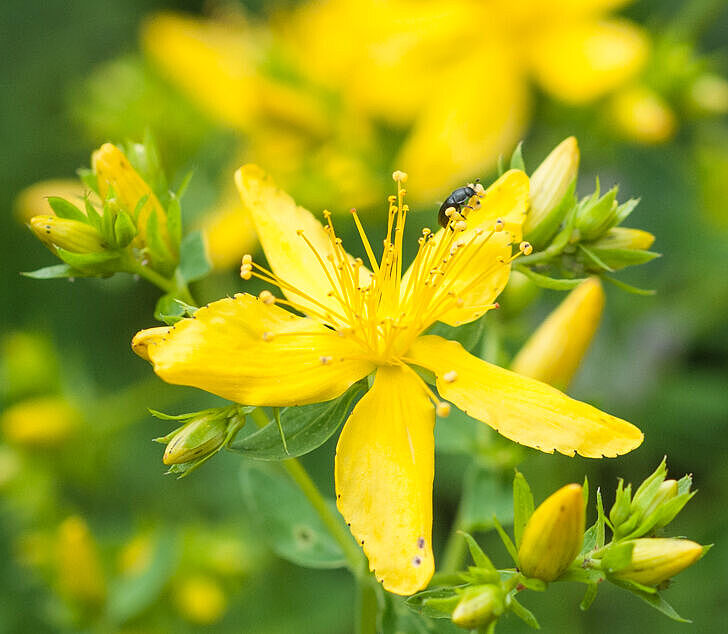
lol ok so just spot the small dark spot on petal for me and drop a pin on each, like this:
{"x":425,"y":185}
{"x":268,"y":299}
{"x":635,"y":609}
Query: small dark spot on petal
{"x":417,"y":561}
{"x":421,"y":542}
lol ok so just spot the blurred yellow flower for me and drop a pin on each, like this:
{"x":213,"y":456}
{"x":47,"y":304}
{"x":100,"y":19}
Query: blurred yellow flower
{"x":78,"y":567}
{"x":136,"y":555}
{"x":454,"y":75}
{"x":553,"y":353}
{"x":369,"y":321}
{"x":40,"y":422}
{"x":200,"y":599}
{"x":33,"y":200}
{"x":642,"y":115}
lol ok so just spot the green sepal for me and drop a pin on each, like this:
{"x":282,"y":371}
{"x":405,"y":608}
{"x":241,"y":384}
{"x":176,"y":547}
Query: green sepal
{"x":589,"y":596}
{"x":306,"y":428}
{"x":124,"y":229}
{"x":628,"y":287}
{"x":522,"y":612}
{"x":88,"y":178}
{"x":595,"y":536}
{"x":481,"y":560}
{"x":54,"y":272}
{"x":104,"y":263}
{"x":614,"y":259}
{"x":194,"y":262}
{"x":540,"y":236}
{"x":66,"y":209}
{"x":170,"y":310}
{"x":93,"y":215}
{"x":549,"y":282}
{"x":522,"y":506}
{"x":161,"y":258}
{"x":537,"y":585}
{"x":421,"y":602}
{"x":517,"y":158}
{"x":507,"y":542}
{"x":653,"y":599}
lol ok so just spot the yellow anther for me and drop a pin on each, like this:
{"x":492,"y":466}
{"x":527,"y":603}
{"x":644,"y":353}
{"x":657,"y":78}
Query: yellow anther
{"x":499,"y":225}
{"x":450,"y":377}
{"x":399,"y":176}
{"x":266,"y":297}
{"x":460,"y":225}
{"x":299,"y":232}
{"x":450,"y":211}
{"x":247,"y":259}
{"x":443,"y":409}
{"x":268,"y":336}
{"x":525,"y":248}
{"x":426,"y":231}
{"x":326,"y":360}
{"x":246,"y":271}
{"x":479,"y":189}
{"x":327,"y":214}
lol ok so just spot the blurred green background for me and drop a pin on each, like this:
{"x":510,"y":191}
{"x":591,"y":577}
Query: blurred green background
{"x":660,"y":362}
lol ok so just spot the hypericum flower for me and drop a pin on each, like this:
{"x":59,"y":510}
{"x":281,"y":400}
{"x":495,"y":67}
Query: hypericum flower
{"x":44,"y":421}
{"x":79,"y":570}
{"x":369,"y":321}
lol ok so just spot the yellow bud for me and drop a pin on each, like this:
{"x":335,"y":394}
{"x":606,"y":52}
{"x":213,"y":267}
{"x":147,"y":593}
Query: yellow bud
{"x":643,"y":116}
{"x":478,"y":607}
{"x":553,"y":535}
{"x":549,"y":184}
{"x":553,"y":353}
{"x":625,"y":238}
{"x":201,"y":600}
{"x":71,"y":235}
{"x":114,"y":171}
{"x":229,"y":231}
{"x":79,"y":572}
{"x":39,"y":422}
{"x":655,"y":560}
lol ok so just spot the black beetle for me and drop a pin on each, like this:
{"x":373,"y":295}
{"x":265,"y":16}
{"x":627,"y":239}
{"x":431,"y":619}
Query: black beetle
{"x":456,"y":200}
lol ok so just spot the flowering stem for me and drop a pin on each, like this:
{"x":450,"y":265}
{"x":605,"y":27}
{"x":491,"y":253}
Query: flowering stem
{"x":299,"y":475}
{"x":367,"y":606}
{"x":179,"y":290}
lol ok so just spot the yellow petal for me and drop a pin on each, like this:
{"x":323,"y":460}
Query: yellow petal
{"x":520,"y":408}
{"x":278,"y":221}
{"x":253,"y":353}
{"x":554,"y":351}
{"x":141,"y":341}
{"x":581,"y":61}
{"x":384,"y":472}
{"x":471,"y":118}
{"x":212,"y":62}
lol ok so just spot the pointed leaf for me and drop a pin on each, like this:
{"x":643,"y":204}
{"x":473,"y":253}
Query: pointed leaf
{"x":523,"y":613}
{"x":53,"y":272}
{"x":66,"y":209}
{"x":507,"y":542}
{"x":476,"y":552}
{"x":522,"y":505}
{"x":589,"y":596}
{"x":544,"y":281}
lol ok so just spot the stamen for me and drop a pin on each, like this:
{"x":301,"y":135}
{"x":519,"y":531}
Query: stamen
{"x":525,"y":248}
{"x":499,"y":225}
{"x":267,"y":298}
{"x":443,"y":409}
{"x":450,"y":377}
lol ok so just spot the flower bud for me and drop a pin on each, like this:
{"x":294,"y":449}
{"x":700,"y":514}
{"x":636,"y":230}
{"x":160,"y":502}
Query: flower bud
{"x":115,"y":173}
{"x":555,"y":350}
{"x":197,"y":439}
{"x":624,"y":238}
{"x":39,"y":422}
{"x":478,"y":607}
{"x":667,"y":491}
{"x":71,"y":235}
{"x":622,"y":504}
{"x":553,"y":535}
{"x":653,"y":560}
{"x":643,"y":116}
{"x":551,"y":192}
{"x":79,"y":570}
{"x":596,"y":214}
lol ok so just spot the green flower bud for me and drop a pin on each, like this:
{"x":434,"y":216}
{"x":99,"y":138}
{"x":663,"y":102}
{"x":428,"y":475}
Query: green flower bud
{"x":72,"y":235}
{"x":197,"y":439}
{"x":667,"y":491}
{"x":479,"y":607}
{"x":648,"y":490}
{"x":124,"y":229}
{"x":623,"y":500}
{"x":652,"y":561}
{"x":552,"y":192}
{"x":597,"y":214}
{"x":553,"y":535}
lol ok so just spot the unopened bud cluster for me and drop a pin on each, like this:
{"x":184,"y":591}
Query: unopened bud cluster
{"x":119,"y":223}
{"x":576,"y":237}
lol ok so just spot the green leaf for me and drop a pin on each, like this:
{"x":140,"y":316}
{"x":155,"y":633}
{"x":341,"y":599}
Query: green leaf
{"x":65,"y":209}
{"x":286,"y":518}
{"x":468,"y":335}
{"x":507,"y":542}
{"x":523,"y":613}
{"x":544,"y":281}
{"x":522,"y":505}
{"x":194,"y":263}
{"x":306,"y":428}
{"x":419,"y":602}
{"x":130,"y":596}
{"x":484,"y":496}
{"x":54,"y":272}
{"x":589,"y":596}
{"x":168,"y":309}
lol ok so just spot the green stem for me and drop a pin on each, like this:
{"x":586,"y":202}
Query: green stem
{"x":367,"y":606}
{"x":177,"y":288}
{"x":308,"y":487}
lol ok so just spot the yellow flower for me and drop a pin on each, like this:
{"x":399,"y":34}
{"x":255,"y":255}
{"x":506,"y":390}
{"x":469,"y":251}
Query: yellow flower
{"x":79,"y":571}
{"x":201,"y":600}
{"x":40,"y":422}
{"x":553,"y":353}
{"x":455,"y":76}
{"x":363,"y":321}
{"x":33,"y":200}
{"x":642,"y":115}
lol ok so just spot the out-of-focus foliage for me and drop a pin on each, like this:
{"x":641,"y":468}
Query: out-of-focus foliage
{"x":78,"y":472}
